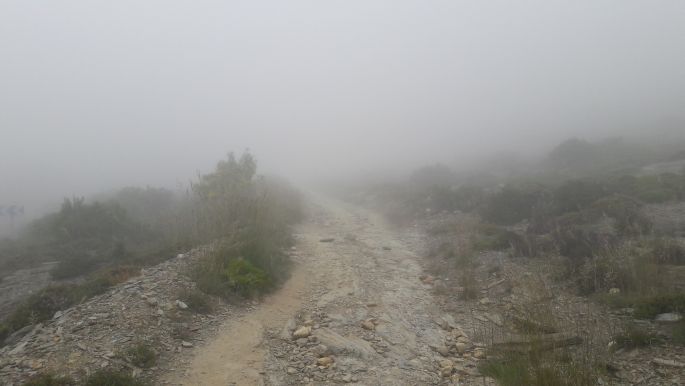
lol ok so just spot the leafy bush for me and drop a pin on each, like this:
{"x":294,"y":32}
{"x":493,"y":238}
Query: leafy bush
{"x":252,"y":218}
{"x":245,"y":277}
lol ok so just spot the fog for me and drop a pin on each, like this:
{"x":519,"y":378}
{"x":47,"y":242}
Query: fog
{"x":99,"y":94}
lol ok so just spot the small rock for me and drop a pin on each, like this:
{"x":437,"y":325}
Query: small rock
{"x":479,"y":353}
{"x":614,"y":291}
{"x":668,"y":363}
{"x":320,"y":350}
{"x":302,"y":332}
{"x":325,"y":361}
{"x":446,"y":371}
{"x":670,"y":317}
{"x":443,"y":350}
{"x":292,"y":370}
{"x":186,"y":344}
{"x":181,"y":305}
{"x":368,"y":325}
{"x":290,"y":326}
{"x":152,"y":301}
{"x":461,"y":347}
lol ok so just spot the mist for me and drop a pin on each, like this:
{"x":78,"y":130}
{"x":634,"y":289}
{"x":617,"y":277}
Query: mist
{"x":96,"y":95}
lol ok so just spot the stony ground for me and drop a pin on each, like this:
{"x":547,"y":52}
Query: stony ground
{"x":363,"y":306}
{"x":97,"y":333}
{"x":21,"y":283}
{"x":358,"y":310}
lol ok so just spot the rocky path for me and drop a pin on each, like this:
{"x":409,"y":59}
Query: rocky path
{"x":355,"y":311}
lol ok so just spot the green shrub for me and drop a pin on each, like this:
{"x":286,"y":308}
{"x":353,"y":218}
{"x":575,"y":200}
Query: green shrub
{"x":75,"y":266}
{"x":649,"y":307}
{"x":49,"y":380}
{"x":511,"y":205}
{"x":112,"y":378}
{"x":196,"y":301}
{"x":634,"y":337}
{"x":245,"y":277}
{"x":4,"y":332}
{"x":492,"y":238}
{"x":141,"y":355}
{"x":666,"y":251}
{"x":539,"y":369}
{"x":679,"y":332}
{"x":45,"y":303}
{"x":469,"y":284}
{"x":42,"y":306}
{"x":575,"y":195}
{"x":608,"y":270}
{"x":629,"y":218}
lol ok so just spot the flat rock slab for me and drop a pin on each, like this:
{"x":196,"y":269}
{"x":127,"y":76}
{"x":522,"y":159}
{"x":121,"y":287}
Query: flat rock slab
{"x":341,"y":345}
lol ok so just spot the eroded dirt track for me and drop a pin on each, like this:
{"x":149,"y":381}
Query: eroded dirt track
{"x":369,"y":272}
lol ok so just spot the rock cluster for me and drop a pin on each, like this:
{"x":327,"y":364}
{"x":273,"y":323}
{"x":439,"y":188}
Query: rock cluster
{"x":94,"y":334}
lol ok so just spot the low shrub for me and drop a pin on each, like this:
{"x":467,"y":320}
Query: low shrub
{"x":42,"y":305}
{"x":74,"y":266}
{"x":196,"y":301}
{"x":539,"y":369}
{"x":575,"y":195}
{"x":679,"y":332}
{"x":492,"y":238}
{"x":49,"y":380}
{"x":630,"y":220}
{"x":649,"y":307}
{"x":666,"y":251}
{"x":246,"y":278}
{"x":470,"y":287}
{"x":634,"y":337}
{"x":112,"y":378}
{"x":45,"y":303}
{"x":141,"y":355}
{"x":511,"y":205}
{"x":4,"y":332}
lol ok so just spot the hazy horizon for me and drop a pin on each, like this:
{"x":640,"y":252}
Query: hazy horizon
{"x":98,"y":95}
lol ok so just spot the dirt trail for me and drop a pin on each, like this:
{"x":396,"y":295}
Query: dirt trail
{"x":368,"y":272}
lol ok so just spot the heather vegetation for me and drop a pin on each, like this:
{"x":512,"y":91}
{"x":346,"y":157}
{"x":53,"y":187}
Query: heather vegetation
{"x":584,"y":211}
{"x":246,"y":219}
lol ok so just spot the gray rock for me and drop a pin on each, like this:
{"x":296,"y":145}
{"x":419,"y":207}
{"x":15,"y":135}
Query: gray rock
{"x":670,"y":317}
